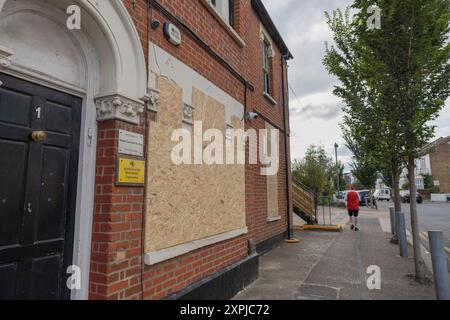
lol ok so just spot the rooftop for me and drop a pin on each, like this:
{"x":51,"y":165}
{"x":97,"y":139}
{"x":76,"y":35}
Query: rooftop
{"x":271,"y":28}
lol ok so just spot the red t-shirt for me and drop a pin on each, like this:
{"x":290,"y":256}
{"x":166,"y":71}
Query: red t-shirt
{"x":352,"y":201}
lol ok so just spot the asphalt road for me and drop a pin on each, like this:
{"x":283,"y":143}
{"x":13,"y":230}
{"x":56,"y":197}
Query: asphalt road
{"x":432,"y":216}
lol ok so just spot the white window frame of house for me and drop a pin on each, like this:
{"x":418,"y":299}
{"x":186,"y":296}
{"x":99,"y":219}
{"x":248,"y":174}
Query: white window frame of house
{"x":220,"y":9}
{"x":266,"y":67}
{"x":268,"y":53}
{"x":223,"y":8}
{"x":420,"y":183}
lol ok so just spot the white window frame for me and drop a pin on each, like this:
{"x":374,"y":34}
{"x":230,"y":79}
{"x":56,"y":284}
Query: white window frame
{"x":266,"y":67}
{"x":267,"y":41}
{"x":223,"y":8}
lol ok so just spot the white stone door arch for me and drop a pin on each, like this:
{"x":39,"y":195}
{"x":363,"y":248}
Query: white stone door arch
{"x":103,"y":63}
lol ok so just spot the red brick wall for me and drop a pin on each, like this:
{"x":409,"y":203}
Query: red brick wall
{"x":256,"y":190}
{"x":117,"y":266}
{"x":116,"y":257}
{"x":205,"y":25}
{"x":174,"y":275}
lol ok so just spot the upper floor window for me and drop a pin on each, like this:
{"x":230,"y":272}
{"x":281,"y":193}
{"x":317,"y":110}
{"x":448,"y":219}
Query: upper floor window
{"x":226,"y":9}
{"x":266,"y":66}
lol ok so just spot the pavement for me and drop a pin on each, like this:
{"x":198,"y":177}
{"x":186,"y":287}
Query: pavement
{"x":334,"y":266}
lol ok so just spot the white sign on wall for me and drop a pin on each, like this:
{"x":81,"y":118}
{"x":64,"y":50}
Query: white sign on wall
{"x":173,"y":34}
{"x":131,"y":143}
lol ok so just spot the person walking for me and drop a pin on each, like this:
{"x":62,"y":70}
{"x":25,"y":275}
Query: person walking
{"x":352,"y":200}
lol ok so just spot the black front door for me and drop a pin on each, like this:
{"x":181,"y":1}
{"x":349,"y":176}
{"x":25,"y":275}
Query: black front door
{"x":39,"y":145}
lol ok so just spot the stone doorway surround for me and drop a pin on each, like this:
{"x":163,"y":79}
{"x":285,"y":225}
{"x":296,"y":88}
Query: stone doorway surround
{"x":103,"y":63}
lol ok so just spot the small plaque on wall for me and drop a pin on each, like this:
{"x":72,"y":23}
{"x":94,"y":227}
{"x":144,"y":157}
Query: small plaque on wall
{"x":131,"y":143}
{"x":130,"y":172}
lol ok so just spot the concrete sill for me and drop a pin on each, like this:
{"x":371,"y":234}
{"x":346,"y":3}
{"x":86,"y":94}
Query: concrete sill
{"x":170,"y":253}
{"x":224,"y":24}
{"x":275,"y":219}
{"x":269,"y":97}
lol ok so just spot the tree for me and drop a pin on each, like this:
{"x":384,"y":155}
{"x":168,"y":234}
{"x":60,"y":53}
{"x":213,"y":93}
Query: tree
{"x":423,"y":85}
{"x":367,"y":117}
{"x":333,"y":173}
{"x":394,"y":81}
{"x":386,"y":176}
{"x":363,"y":168}
{"x":429,"y":184}
{"x":314,"y":170}
{"x":365,"y":172}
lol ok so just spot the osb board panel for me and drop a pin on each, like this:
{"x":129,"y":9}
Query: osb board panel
{"x":272,"y":182}
{"x":189,"y":202}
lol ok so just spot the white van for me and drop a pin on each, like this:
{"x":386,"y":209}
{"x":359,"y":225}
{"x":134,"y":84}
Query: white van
{"x":382,"y":195}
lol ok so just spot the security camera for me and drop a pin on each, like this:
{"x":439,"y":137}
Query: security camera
{"x":155,"y":24}
{"x":252,"y":116}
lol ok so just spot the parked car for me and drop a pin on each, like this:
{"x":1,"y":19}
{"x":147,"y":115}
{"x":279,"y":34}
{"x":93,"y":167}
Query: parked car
{"x":404,"y":194}
{"x":341,"y":198}
{"x":363,"y":195}
{"x":382,"y":195}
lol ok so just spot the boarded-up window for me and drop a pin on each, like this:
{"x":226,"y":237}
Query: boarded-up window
{"x":272,"y":182}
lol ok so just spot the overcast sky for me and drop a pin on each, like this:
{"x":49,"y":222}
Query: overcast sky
{"x":316,"y":114}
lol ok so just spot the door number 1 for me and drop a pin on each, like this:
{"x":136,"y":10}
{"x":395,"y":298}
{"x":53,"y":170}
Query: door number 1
{"x":38,"y":112}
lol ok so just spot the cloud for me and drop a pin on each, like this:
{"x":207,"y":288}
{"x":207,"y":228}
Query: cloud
{"x":304,"y":28}
{"x":324,"y":111}
{"x":344,"y":151}
{"x":315,"y":111}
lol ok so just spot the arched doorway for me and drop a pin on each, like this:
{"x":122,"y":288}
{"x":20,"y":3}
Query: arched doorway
{"x":94,"y":67}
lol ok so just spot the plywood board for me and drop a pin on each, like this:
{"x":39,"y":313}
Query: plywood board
{"x":189,"y":202}
{"x":272,"y":182}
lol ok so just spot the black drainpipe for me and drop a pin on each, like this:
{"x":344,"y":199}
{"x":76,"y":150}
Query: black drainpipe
{"x":246,"y":86}
{"x":286,"y":145}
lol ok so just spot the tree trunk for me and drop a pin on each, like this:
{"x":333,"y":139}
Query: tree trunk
{"x":418,"y":259}
{"x":396,"y":196}
{"x":396,"y":189}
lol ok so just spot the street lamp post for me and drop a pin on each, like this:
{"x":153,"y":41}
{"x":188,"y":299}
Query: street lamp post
{"x":336,"y":146}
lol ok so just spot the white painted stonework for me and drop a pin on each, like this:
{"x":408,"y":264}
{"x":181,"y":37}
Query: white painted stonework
{"x":162,"y":63}
{"x":103,"y":63}
{"x":119,"y":107}
{"x":5,"y":57}
{"x":153,"y":99}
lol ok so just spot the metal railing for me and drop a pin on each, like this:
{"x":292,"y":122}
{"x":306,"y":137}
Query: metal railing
{"x":323,"y":210}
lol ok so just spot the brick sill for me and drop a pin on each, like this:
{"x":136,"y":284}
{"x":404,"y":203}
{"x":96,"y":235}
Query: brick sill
{"x":269,"y":97}
{"x":224,"y":24}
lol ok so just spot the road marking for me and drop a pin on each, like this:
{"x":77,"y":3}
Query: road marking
{"x":425,"y":238}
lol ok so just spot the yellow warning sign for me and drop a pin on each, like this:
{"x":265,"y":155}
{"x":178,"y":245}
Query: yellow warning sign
{"x":130,"y":171}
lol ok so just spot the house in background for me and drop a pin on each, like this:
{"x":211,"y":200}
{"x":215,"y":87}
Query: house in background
{"x":435,"y":163}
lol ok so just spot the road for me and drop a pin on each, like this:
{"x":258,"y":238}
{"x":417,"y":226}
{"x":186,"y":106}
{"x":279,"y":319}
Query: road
{"x":432,"y":216}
